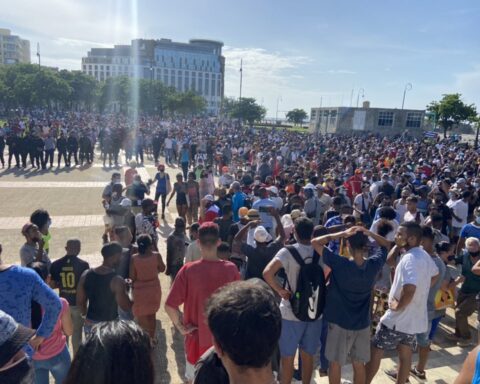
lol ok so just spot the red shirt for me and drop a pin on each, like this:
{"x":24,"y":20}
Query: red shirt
{"x":194,"y":284}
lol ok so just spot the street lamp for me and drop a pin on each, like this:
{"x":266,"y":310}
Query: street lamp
{"x":408,"y":87}
{"x":279,"y":98}
{"x":362,"y":91}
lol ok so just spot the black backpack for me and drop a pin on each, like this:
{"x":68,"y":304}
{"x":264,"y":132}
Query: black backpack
{"x":308,"y":300}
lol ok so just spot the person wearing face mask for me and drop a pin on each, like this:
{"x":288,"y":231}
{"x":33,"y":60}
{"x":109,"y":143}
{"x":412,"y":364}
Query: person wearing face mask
{"x":407,"y":314}
{"x":471,"y":229}
{"x":466,"y":300}
{"x":107,"y":191}
{"x":33,"y":250}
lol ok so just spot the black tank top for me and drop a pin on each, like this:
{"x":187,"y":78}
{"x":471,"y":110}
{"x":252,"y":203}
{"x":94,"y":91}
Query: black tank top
{"x":102,"y":305}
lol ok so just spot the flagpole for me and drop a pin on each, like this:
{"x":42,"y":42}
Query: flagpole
{"x":241,"y":79}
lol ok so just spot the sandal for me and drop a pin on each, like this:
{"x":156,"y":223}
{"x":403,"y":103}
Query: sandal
{"x":418,"y":374}
{"x":392,"y":374}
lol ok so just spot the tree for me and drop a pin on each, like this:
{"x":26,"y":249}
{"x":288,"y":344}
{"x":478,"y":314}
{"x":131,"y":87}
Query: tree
{"x":451,"y":111}
{"x":247,"y":109}
{"x":296,"y":116}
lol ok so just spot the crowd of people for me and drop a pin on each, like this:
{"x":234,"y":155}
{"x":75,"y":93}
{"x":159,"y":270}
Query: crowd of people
{"x":290,"y":252}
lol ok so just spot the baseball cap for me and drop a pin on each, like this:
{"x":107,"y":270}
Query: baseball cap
{"x":295,"y":214}
{"x":126,"y":203}
{"x":461,"y":180}
{"x":209,"y":198}
{"x":309,"y":186}
{"x":26,"y":227}
{"x":273,"y":189}
{"x":13,"y":337}
{"x":253,"y":214}
{"x":261,"y":235}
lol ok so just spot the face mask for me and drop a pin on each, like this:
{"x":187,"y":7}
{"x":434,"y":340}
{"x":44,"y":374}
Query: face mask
{"x":451,"y":258}
{"x":477,"y":219}
{"x":474,"y":254}
{"x":136,"y":182}
{"x":476,"y":185}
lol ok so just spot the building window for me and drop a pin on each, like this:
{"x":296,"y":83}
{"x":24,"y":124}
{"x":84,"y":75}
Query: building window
{"x":333,"y":117}
{"x":385,"y":119}
{"x":414,"y":120}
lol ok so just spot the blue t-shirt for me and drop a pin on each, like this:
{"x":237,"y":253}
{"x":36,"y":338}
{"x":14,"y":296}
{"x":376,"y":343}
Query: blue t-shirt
{"x":238,"y":201}
{"x":162,"y":183}
{"x":470,"y":230}
{"x":18,"y":287}
{"x":350,"y":289}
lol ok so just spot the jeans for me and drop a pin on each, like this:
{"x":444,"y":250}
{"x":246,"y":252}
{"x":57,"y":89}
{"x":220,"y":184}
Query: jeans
{"x":184,"y":165}
{"x":77,"y":321}
{"x":58,"y":365}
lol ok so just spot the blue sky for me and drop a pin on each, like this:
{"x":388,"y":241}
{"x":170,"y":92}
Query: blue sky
{"x":300,"y":53}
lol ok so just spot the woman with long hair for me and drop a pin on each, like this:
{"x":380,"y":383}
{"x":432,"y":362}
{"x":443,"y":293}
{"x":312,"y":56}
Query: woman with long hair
{"x":117,"y":352}
{"x":144,"y":269}
{"x":180,"y":189}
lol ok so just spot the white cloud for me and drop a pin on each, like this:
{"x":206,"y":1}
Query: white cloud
{"x":266,"y":76}
{"x":468,"y":84}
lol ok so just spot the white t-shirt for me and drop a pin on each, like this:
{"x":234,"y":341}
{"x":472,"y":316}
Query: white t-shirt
{"x":357,"y":203}
{"x":460,"y":209}
{"x":412,"y":217}
{"x":292,"y":268}
{"x":168,"y":143}
{"x":416,"y":267}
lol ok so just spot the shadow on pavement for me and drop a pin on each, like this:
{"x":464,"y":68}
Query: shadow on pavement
{"x":160,"y":360}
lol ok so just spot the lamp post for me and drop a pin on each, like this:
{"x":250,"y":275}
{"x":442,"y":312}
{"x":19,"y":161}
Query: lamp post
{"x":241,"y":79}
{"x":38,"y":54}
{"x":279,"y":98}
{"x":408,"y":87}
{"x":362,"y":91}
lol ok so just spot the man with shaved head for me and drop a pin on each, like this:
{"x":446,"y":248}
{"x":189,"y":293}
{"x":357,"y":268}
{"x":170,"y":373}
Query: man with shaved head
{"x":65,"y":273}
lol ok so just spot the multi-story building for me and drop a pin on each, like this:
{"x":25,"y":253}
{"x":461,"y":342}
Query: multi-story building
{"x":198,"y":65}
{"x":377,"y":120}
{"x":13,"y":49}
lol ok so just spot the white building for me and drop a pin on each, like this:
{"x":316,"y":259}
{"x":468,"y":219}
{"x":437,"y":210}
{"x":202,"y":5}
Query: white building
{"x":198,"y":65}
{"x":13,"y":49}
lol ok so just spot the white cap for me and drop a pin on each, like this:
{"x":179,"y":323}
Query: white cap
{"x":273,"y":189}
{"x":261,"y":235}
{"x":126,"y":203}
{"x":209,"y":198}
{"x":309,"y":186}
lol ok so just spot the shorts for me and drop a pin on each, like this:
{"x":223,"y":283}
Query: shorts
{"x":424,"y":339}
{"x":189,"y":371}
{"x":303,"y":334}
{"x":344,"y":346}
{"x":388,"y":339}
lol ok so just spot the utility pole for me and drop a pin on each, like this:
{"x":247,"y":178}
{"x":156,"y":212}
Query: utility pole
{"x":241,"y":79}
{"x":362,"y":91}
{"x":408,"y":87}
{"x":38,"y":54}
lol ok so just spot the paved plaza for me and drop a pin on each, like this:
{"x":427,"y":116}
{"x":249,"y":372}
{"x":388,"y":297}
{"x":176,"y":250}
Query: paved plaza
{"x":73,"y":198}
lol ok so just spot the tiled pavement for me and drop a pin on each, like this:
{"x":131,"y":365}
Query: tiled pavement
{"x":87,"y":222}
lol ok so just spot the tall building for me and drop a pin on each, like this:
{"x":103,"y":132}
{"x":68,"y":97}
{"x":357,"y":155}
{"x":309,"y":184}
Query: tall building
{"x":386,"y":121}
{"x":197,"y":65}
{"x":13,"y":49}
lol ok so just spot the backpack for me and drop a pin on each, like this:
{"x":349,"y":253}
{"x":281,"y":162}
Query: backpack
{"x":308,"y":300}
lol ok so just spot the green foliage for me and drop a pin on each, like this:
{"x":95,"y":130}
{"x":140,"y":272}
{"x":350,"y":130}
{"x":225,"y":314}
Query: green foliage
{"x":296,"y":116}
{"x":246,"y":109}
{"x":27,"y":86}
{"x":451,"y":111}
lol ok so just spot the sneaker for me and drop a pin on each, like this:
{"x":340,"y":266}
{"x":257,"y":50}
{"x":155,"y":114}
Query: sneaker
{"x":418,"y":374}
{"x":452,"y":337}
{"x":464,"y":343}
{"x":392,"y":374}
{"x":323,"y":372}
{"x":163,"y":216}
